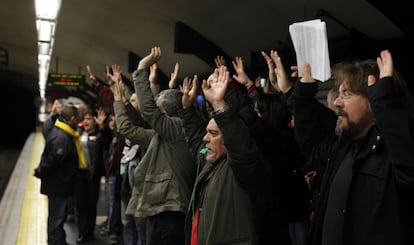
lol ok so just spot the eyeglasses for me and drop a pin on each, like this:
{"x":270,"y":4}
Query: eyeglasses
{"x":345,"y":95}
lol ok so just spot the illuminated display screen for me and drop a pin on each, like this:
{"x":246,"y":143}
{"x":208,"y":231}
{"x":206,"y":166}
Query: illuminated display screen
{"x":69,"y":80}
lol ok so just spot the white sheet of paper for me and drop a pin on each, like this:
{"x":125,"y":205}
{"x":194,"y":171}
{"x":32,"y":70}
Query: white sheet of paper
{"x":311,"y":46}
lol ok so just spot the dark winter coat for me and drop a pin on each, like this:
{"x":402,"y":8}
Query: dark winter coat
{"x":60,"y":161}
{"x":378,"y":209}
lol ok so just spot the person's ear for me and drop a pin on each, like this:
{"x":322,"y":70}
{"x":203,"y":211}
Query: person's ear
{"x":371,"y":80}
{"x":74,"y":119}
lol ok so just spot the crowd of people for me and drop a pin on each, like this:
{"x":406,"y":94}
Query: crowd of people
{"x":224,"y":160}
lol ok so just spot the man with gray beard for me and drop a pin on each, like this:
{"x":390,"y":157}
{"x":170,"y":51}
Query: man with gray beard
{"x":367,"y":162}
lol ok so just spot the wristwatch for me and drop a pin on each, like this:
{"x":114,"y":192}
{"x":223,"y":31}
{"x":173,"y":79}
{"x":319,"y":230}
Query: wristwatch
{"x":220,"y":110}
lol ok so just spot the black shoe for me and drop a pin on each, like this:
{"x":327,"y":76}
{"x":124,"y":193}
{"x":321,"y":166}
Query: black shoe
{"x":70,"y":218}
{"x":83,"y":239}
{"x":104,"y":232}
{"x":114,"y":239}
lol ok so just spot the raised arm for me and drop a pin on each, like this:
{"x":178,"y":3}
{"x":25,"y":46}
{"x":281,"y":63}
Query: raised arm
{"x":142,"y":85}
{"x":219,"y":61}
{"x":283,"y":82}
{"x":194,"y":126}
{"x":392,"y":117}
{"x":150,"y":59}
{"x":271,"y":68}
{"x":189,"y":89}
{"x":241,"y":76}
{"x":215,"y":87}
{"x":153,"y":78}
{"x":103,"y":90}
{"x":314,"y":122}
{"x":160,"y":114}
{"x":173,"y":83}
{"x":242,"y":153}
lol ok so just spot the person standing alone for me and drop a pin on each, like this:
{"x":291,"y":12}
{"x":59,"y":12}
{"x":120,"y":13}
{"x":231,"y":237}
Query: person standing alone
{"x":59,"y":165}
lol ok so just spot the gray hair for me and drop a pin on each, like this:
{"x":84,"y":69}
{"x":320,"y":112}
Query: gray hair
{"x":170,"y":101}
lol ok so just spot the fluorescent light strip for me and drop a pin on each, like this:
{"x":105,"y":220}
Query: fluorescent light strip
{"x":46,"y":18}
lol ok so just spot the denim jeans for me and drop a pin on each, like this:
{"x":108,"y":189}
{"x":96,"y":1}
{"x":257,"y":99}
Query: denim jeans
{"x":130,"y":232}
{"x":110,"y":197}
{"x":299,"y":232}
{"x":57,"y":214}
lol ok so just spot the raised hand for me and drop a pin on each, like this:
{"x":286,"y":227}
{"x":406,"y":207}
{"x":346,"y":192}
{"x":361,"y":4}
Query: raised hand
{"x":189,"y":89}
{"x":283,"y":83}
{"x":153,"y":57}
{"x":271,"y":67}
{"x":92,"y":76}
{"x":100,"y":119}
{"x":117,"y":86}
{"x":385,"y":64}
{"x":307,"y":74}
{"x":219,"y":61}
{"x":295,"y":71}
{"x":56,"y":107}
{"x":214,"y":88}
{"x":116,"y":75}
{"x":174,"y":76}
{"x":241,"y":75}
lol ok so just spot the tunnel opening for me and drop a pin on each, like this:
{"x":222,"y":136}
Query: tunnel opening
{"x":19,"y":114}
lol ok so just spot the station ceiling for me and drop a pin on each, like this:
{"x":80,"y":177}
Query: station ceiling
{"x":192,"y":33}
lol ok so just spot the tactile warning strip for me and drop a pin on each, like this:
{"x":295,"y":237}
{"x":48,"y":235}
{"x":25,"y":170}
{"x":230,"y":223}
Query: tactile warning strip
{"x":33,"y":220}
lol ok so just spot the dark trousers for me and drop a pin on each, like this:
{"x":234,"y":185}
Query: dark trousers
{"x":57,"y":214}
{"x":86,"y":199}
{"x":166,"y":228}
{"x":71,"y":205}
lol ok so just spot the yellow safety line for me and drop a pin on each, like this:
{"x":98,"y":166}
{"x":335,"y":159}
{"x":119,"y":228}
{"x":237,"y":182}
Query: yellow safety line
{"x":33,"y":220}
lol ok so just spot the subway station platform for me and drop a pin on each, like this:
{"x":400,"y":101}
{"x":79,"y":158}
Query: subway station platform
{"x":23,"y":210}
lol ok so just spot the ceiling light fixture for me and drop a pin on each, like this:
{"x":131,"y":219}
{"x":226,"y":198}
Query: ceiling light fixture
{"x":46,"y":19}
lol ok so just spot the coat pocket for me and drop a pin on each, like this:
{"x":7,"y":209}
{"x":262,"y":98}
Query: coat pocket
{"x":156,"y":187}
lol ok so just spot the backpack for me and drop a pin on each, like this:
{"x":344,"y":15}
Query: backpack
{"x":42,"y":168}
{"x":129,"y":162}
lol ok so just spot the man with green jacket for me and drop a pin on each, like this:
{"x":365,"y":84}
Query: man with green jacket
{"x":165,"y":175}
{"x":221,"y":209}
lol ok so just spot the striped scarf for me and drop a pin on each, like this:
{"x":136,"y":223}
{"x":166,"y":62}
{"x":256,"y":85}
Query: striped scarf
{"x":76,"y":138}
